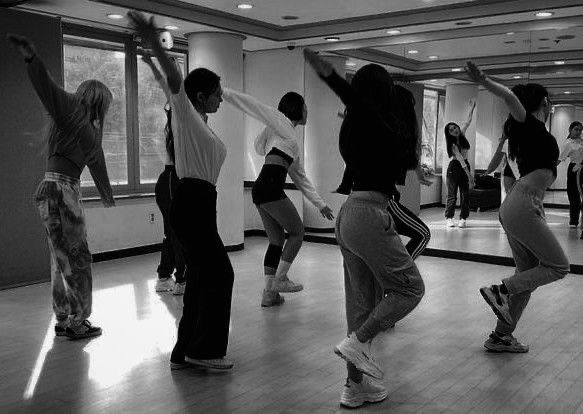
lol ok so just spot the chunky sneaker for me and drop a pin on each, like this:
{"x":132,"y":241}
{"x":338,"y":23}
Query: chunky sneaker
{"x":357,"y":353}
{"x":218,"y":363}
{"x":165,"y":284}
{"x":271,"y":298}
{"x":369,"y":390}
{"x":179,"y":288}
{"x":462,"y":223}
{"x":61,"y":328}
{"x":449,"y":223}
{"x":504,"y":343}
{"x":286,"y":285}
{"x":83,"y":330}
{"x":498,"y":301}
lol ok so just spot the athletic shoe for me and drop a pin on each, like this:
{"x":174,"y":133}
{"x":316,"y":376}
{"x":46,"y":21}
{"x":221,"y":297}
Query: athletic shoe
{"x":449,"y":223}
{"x":498,"y":301}
{"x":285,"y":285}
{"x":165,"y":284}
{"x":369,"y":390}
{"x":218,"y":363}
{"x":462,"y":223}
{"x":354,"y":351}
{"x":61,"y":328}
{"x":504,"y":343}
{"x":83,"y":330}
{"x":179,"y":288}
{"x":271,"y":298}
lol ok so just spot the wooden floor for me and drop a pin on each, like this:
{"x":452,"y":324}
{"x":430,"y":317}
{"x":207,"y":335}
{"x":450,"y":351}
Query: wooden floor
{"x":434,"y":359}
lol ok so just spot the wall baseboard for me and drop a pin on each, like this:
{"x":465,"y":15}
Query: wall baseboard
{"x":319,"y":230}
{"x":557,"y":206}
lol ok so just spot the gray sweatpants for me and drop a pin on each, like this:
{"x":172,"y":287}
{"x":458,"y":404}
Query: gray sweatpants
{"x":375,"y":258}
{"x":538,"y":255}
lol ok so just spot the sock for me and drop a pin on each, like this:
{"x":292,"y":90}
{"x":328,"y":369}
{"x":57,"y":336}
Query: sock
{"x":282,"y":269}
{"x":368,"y":330}
{"x":268,"y":281}
{"x":354,"y":374}
{"x":503,"y":288}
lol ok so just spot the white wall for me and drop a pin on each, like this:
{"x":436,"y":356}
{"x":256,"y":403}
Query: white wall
{"x":561,"y":118}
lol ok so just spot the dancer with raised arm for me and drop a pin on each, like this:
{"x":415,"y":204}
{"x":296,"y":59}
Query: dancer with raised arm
{"x":74,"y":142}
{"x":506,"y":163}
{"x":277,"y":142}
{"x":459,"y":173}
{"x":573,"y":149}
{"x":203,"y":332}
{"x":377,"y":145}
{"x":538,"y":255}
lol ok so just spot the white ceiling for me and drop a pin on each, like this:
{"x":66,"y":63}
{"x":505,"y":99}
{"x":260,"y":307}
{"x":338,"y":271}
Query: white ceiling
{"x":429,"y":26}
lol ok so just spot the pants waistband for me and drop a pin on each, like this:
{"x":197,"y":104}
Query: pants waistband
{"x":370,"y":197}
{"x":62,"y":178}
{"x":198,"y":184}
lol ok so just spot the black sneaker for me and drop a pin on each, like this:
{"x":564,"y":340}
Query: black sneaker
{"x":504,"y":343}
{"x":83,"y":330}
{"x":60,"y":330}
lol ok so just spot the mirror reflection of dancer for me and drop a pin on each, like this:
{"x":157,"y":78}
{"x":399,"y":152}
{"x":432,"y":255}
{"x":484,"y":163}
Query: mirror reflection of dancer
{"x":506,"y":162}
{"x":74,"y":142}
{"x":376,"y":146}
{"x":203,"y":332}
{"x":171,"y":257}
{"x":538,"y":255}
{"x":277,"y":142}
{"x":459,"y":173}
{"x":573,"y":149}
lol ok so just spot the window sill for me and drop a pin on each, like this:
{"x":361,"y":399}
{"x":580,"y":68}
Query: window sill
{"x":120,"y":197}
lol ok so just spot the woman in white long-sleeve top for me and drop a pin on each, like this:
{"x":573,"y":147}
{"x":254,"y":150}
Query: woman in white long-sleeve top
{"x":277,"y":142}
{"x":573,"y":149}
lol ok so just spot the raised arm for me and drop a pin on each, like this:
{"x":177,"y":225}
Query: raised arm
{"x":514,"y":106}
{"x":266,"y":114}
{"x":468,"y":121}
{"x":157,"y":75}
{"x":149,"y":32}
{"x":54,"y":98}
{"x":298,"y":175}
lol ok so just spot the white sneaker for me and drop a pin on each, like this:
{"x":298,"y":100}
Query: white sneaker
{"x":449,"y":223}
{"x":573,"y":226}
{"x":179,"y":288}
{"x":285,"y":285}
{"x":369,"y":390}
{"x":218,"y":363}
{"x":358,"y":353}
{"x":498,"y":301}
{"x":165,"y":284}
{"x":462,"y":223}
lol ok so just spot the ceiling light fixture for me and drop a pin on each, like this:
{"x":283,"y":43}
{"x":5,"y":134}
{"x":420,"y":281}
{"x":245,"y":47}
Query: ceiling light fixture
{"x":349,"y":63}
{"x":517,"y":77}
{"x":432,"y":80}
{"x":544,"y":14}
{"x":393,"y":32}
{"x":510,"y":33}
{"x":332,"y":39}
{"x":244,"y":6}
{"x":567,"y":92}
{"x":412,"y":52}
{"x":456,"y":70}
{"x":171,"y":27}
{"x":115,"y":16}
{"x":432,"y":57}
{"x":559,"y":62}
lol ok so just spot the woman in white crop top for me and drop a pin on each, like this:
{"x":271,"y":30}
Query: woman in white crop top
{"x":277,"y":142}
{"x":573,"y":149}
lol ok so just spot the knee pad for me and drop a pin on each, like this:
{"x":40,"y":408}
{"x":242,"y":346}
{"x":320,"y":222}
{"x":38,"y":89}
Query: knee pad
{"x":272,"y":256}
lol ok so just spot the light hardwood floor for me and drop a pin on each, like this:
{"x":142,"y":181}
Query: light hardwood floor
{"x":434,"y":359}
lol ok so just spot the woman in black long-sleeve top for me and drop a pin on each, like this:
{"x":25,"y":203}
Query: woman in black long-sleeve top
{"x":376,"y":145}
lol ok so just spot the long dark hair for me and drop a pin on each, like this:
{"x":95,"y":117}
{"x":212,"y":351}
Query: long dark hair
{"x":407,"y":127}
{"x":292,"y":106}
{"x":531,"y":96}
{"x":460,"y":141}
{"x":573,"y":125}
{"x":169,"y":135}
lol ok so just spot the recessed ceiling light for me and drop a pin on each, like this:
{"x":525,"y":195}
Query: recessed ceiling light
{"x":509,"y":42}
{"x":517,"y":77}
{"x":432,"y":57}
{"x":244,"y":6}
{"x":510,"y":33}
{"x":559,"y":62}
{"x":412,"y":52}
{"x":332,"y":39}
{"x":349,"y":63}
{"x":544,"y":14}
{"x":115,"y":16}
{"x":432,"y":80}
{"x":464,"y":23}
{"x":393,"y":32}
{"x":290,"y":17}
{"x":559,"y":72}
{"x":456,"y":70}
{"x":567,"y":92}
{"x":171,"y":27}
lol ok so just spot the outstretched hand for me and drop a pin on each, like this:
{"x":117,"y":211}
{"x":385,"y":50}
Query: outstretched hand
{"x":424,"y":181}
{"x":474,"y":72}
{"x":146,"y":28}
{"x":327,"y":212}
{"x":22,"y":44}
{"x":321,"y":67}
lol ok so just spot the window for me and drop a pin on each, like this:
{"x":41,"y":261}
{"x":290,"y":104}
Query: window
{"x":134,"y":140}
{"x":431,"y":142}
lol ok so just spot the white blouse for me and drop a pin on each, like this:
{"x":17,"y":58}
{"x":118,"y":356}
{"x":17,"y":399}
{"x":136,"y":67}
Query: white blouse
{"x":279,"y":133}
{"x":573,"y":149}
{"x":199,"y":153}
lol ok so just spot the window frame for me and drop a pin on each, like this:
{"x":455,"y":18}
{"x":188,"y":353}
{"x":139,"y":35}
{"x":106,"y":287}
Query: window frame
{"x":437,"y":167}
{"x":90,"y":37}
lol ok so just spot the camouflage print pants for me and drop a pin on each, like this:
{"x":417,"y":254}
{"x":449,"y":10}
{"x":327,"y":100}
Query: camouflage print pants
{"x":59,"y":203}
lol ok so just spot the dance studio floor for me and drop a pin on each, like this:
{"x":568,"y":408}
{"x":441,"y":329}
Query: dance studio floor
{"x":434,"y":360}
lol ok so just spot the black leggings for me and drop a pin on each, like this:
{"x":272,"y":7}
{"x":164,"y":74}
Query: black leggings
{"x":171,"y":257}
{"x":573,"y":194}
{"x":203,"y":332}
{"x":457,"y":178}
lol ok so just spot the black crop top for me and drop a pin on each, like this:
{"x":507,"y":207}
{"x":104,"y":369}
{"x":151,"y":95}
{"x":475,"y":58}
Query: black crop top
{"x":287,"y":158}
{"x":536,"y":147}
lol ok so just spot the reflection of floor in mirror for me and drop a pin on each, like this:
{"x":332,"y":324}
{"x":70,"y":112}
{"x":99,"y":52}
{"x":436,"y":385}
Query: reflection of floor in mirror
{"x":434,"y":359}
{"x":557,"y":197}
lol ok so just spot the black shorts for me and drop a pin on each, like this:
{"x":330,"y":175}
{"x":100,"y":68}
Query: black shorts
{"x":269,"y":185}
